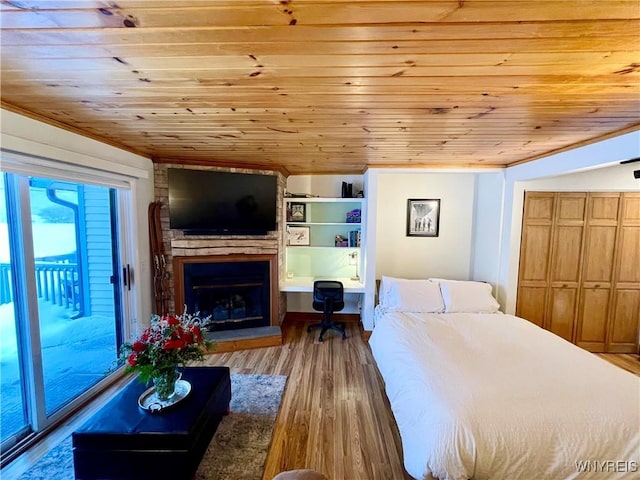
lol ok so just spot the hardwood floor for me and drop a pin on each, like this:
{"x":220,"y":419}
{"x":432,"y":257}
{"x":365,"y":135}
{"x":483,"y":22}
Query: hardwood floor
{"x":627,"y":361}
{"x":334,"y":416}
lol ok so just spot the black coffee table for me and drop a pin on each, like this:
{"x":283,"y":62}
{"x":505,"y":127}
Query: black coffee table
{"x":123,"y":441}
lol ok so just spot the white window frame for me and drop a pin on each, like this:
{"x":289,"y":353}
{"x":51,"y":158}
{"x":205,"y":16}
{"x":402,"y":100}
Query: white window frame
{"x":14,"y":162}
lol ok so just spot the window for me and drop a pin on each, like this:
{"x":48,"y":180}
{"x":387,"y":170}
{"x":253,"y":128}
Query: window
{"x":61,"y":301}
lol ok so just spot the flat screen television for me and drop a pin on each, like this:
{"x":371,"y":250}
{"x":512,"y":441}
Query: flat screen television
{"x":205,"y":202}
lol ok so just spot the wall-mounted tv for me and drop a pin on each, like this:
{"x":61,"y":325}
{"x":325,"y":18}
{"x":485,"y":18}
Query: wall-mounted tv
{"x":209,"y":202}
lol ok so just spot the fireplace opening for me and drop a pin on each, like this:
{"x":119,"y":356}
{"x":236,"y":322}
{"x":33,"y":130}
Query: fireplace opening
{"x":237,"y":301}
{"x":236,"y":294}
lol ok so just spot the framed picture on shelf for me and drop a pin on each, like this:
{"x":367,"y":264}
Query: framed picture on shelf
{"x":423,"y":217}
{"x":297,"y":212}
{"x":298,"y":235}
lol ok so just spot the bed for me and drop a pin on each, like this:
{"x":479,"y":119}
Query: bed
{"x":484,"y":395}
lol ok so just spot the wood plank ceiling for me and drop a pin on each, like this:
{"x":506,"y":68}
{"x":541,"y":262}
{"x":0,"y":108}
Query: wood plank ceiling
{"x":315,"y":86}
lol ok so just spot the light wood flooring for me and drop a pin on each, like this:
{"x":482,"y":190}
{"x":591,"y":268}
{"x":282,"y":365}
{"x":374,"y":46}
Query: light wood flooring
{"x":334,"y":416}
{"x":627,"y":361}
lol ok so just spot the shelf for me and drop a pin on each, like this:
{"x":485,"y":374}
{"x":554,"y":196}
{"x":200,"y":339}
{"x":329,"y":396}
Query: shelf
{"x":332,"y":247}
{"x":323,"y":200}
{"x":322,"y":213}
{"x":324,"y":219}
{"x":341,"y":224}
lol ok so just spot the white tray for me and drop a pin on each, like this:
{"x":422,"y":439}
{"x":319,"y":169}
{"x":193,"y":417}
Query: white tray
{"x":149,"y":399}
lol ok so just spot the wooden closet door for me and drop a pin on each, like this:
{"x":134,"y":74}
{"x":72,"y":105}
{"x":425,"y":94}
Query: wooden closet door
{"x":625,"y":315}
{"x":597,"y":271}
{"x":579,"y":271}
{"x":565,"y":268}
{"x":535,"y":254}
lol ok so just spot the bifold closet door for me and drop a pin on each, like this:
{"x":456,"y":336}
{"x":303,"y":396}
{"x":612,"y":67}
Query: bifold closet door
{"x":550,"y":260}
{"x":535,"y":255}
{"x":597,"y":273}
{"x":579,"y":271}
{"x":625,"y":312}
{"x":565,"y":268}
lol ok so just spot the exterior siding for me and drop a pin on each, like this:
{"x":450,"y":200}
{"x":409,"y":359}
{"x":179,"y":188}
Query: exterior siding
{"x":100,"y":300}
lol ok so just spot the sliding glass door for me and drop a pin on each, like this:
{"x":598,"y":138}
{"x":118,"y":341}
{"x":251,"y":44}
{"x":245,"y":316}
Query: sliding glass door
{"x":60,"y":297}
{"x":13,"y":409}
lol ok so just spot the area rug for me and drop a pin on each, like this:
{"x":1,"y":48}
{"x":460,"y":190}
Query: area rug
{"x":238,"y":449}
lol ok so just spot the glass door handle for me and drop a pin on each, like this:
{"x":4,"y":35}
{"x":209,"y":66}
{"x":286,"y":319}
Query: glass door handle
{"x":126,"y":276}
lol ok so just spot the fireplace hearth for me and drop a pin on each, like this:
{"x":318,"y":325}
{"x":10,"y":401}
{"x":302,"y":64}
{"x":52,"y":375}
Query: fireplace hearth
{"x":237,"y":291}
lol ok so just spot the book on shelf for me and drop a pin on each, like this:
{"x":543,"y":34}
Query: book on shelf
{"x":353,"y":216}
{"x":354,"y":238}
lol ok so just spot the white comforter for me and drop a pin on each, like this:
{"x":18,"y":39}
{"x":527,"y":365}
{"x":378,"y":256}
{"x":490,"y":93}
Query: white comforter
{"x":492,"y":396}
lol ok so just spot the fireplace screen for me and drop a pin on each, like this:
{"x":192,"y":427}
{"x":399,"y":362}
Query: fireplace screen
{"x":235,"y":294}
{"x":229,"y":303}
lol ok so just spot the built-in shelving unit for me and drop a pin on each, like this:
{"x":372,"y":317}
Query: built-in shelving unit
{"x":322,"y":220}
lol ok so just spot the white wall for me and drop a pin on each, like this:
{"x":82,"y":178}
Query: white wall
{"x":487,"y":227}
{"x":590,"y":168}
{"x":302,"y":302}
{"x":617,"y":178}
{"x":449,"y":254}
{"x":470,"y":223}
{"x":323,"y":185}
{"x":69,"y":150}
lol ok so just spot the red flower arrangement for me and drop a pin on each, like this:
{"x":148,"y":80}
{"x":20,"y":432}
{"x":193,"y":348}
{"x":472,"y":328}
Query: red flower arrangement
{"x":170,"y":341}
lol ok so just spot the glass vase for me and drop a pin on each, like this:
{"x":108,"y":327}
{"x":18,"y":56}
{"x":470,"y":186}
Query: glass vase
{"x":165,"y":383}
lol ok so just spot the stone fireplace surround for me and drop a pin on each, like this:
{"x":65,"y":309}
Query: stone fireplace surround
{"x":176,"y":244}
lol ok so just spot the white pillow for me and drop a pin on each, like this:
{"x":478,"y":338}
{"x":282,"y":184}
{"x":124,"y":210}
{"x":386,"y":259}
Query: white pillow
{"x":467,"y":296}
{"x":384,"y":292}
{"x":385,"y":287}
{"x":404,"y":295}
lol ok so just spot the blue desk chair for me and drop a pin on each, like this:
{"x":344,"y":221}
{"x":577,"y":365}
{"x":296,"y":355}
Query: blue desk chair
{"x":328,"y":297}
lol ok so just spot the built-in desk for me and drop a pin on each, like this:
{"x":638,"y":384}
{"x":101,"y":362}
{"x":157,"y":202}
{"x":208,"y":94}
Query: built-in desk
{"x":305,"y":284}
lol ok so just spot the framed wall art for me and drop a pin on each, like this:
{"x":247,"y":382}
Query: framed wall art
{"x":423,"y":217}
{"x":298,"y":235}
{"x":296,"y":212}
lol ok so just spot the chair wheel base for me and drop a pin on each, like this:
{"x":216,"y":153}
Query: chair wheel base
{"x":325,"y":326}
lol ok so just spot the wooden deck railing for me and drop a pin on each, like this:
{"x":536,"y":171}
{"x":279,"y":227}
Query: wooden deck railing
{"x":56,"y":282}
